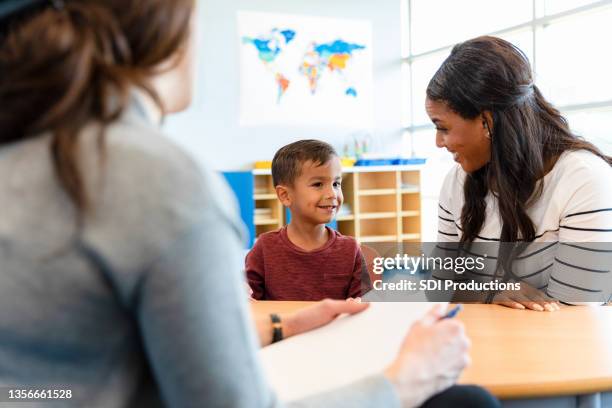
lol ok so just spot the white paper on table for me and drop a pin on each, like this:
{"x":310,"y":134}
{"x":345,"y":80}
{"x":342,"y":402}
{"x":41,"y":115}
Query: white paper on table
{"x":348,"y":349}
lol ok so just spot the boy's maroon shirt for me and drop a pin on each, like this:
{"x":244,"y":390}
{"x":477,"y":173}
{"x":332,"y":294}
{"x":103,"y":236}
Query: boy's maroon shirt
{"x":278,"y":270}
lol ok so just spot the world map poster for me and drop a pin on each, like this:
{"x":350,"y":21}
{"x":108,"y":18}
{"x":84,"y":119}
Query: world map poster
{"x":303,"y":70}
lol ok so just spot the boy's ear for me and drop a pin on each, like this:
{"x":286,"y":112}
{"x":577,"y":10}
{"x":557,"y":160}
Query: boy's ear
{"x":282,"y":192}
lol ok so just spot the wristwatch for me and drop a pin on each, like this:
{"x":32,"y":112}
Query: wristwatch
{"x":277,"y":328}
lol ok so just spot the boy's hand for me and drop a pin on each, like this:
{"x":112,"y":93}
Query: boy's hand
{"x":250,"y":292}
{"x":319,"y":315}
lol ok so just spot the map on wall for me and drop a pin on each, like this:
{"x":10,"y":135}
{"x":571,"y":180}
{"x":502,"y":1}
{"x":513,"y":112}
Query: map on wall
{"x":299,"y":70}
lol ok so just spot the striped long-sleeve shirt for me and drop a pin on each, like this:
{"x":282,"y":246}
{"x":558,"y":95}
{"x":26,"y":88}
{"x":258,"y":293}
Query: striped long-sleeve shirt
{"x":571,"y":257}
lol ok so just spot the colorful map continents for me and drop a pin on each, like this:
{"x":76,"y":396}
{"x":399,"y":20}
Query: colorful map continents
{"x":318,"y":62}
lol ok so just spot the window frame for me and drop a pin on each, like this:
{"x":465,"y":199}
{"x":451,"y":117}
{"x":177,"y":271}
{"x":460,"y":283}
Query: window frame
{"x":535,"y":23}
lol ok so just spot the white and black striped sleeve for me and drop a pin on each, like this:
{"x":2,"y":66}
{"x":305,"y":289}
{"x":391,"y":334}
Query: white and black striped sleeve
{"x":582,"y":270}
{"x":447,"y":228}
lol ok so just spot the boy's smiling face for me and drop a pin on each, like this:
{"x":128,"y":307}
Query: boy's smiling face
{"x":316,"y":194}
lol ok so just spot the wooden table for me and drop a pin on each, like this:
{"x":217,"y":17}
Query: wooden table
{"x":526,"y":354}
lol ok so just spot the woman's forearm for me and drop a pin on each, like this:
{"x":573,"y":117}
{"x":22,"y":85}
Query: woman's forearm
{"x":265,"y":331}
{"x":306,"y":319}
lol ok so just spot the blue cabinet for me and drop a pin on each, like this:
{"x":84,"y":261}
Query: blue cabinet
{"x":241,"y":183}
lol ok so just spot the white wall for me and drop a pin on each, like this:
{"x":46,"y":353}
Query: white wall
{"x":210,"y":130}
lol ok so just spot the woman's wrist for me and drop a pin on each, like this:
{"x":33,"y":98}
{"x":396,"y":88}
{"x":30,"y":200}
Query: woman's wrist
{"x":277,"y":328}
{"x":390,"y":373}
{"x":288,"y":326}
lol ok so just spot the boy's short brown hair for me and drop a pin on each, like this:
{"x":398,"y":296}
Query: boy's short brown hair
{"x":287,"y":162}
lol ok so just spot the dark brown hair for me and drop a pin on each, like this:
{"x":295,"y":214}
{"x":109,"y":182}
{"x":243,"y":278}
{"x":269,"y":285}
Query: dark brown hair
{"x":287,"y":162}
{"x":62,"y":68}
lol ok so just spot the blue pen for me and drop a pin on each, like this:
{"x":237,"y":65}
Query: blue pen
{"x":452,"y":313}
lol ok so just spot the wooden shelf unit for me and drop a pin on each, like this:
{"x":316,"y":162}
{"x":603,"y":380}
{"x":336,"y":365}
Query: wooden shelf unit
{"x":384,"y":202}
{"x":265,"y":198}
{"x":387,"y":204}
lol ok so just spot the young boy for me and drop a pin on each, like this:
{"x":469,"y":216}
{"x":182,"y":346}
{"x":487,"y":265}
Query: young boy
{"x":307,"y":260}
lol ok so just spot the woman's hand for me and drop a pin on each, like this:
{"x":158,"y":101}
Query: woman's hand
{"x":319,"y":315}
{"x":526,"y":298}
{"x":431,"y":358}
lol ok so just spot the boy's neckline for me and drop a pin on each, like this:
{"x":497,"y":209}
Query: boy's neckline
{"x":331,"y":238}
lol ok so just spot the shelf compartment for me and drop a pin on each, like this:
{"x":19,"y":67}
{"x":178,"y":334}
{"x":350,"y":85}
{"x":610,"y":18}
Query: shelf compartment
{"x":346,"y":227}
{"x":264,"y":196}
{"x":263,"y":184}
{"x":377,"y":215}
{"x":378,"y":238}
{"x":378,"y":191}
{"x":378,"y":180}
{"x":410,"y":179}
{"x":268,"y":212}
{"x":411,"y":238}
{"x":411,"y":226}
{"x":266,"y":221}
{"x":378,"y":204}
{"x":348,"y":189}
{"x":373,"y":227}
{"x":411,"y":202}
{"x":260,"y":229}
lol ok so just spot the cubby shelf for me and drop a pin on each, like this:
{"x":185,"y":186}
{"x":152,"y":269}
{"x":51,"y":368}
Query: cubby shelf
{"x":267,"y":202}
{"x":384,"y":203}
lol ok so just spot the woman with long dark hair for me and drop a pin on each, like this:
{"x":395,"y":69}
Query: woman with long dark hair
{"x":523,"y":180}
{"x":120,"y":259}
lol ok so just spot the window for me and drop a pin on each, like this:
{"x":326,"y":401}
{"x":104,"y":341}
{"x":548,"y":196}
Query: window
{"x":565,"y":41}
{"x":572,"y":67}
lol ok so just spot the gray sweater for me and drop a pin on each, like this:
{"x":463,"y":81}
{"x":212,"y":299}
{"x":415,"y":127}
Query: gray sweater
{"x":145,"y":304}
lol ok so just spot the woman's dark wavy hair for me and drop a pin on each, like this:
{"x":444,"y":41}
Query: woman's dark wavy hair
{"x":64,"y":67}
{"x":527,"y":137}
